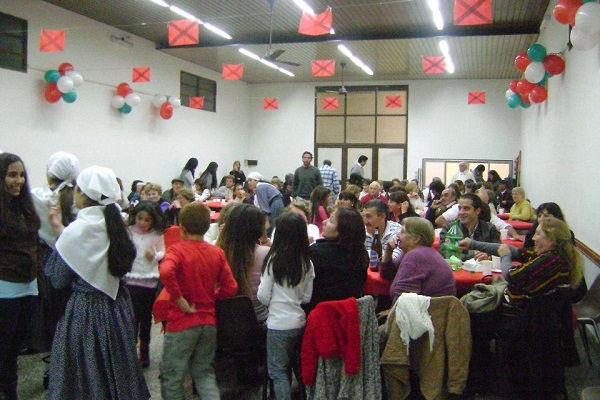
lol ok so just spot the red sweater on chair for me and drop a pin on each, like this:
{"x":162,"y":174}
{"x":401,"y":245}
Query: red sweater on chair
{"x":332,"y":330}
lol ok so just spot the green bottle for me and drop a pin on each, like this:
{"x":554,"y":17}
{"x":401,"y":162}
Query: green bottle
{"x":451,"y":250}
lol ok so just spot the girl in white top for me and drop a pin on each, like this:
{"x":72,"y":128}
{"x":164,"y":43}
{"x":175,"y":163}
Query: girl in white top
{"x":286,"y":283}
{"x":146,"y":228}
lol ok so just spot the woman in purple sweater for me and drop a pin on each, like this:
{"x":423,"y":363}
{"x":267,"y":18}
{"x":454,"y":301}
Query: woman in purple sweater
{"x":414,"y":265}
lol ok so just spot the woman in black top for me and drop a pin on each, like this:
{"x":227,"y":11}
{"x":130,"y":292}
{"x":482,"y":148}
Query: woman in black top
{"x":237,"y":173}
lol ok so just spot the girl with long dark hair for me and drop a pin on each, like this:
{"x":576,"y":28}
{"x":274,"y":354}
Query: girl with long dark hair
{"x":187,"y":173}
{"x":210,"y":176}
{"x":19,"y":266}
{"x":340,"y":259}
{"x":285,"y":283}
{"x":94,"y":348}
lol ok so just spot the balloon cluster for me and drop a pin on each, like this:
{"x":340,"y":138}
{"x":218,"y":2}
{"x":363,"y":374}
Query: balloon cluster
{"x":125,"y":99}
{"x":62,"y":83}
{"x":584,"y":16}
{"x":537,"y":66}
{"x":166,"y":105}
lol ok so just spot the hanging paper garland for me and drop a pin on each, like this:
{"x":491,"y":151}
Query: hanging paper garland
{"x":61,"y":83}
{"x":166,"y":105}
{"x":125,"y":99}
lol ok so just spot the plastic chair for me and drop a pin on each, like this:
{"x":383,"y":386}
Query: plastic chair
{"x":240,"y":335}
{"x":588,"y":313}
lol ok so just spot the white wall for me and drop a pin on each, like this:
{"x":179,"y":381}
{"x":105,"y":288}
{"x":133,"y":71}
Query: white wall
{"x":139,"y":145}
{"x":440,"y":123}
{"x":561,"y":141}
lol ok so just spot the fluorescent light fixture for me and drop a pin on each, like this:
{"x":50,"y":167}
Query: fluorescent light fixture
{"x":183,"y":13}
{"x":160,"y":3}
{"x":449,"y":66}
{"x":438,"y":20}
{"x":332,"y":31}
{"x":305,"y":7}
{"x":268,"y":63}
{"x":216,"y":30}
{"x":249,"y":54}
{"x":433,"y":4}
{"x":444,"y":47}
{"x":285,"y":71}
{"x":345,"y":50}
{"x":355,"y":59}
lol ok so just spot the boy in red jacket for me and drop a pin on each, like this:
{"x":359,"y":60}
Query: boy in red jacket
{"x":195,"y":274}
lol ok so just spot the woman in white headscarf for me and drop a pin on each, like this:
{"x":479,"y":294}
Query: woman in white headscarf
{"x":94,"y":351}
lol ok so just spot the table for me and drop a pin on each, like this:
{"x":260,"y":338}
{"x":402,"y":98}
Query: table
{"x":504,"y":216}
{"x":215,"y":205}
{"x":514,"y":243}
{"x":465,"y":281}
{"x":520,"y":225}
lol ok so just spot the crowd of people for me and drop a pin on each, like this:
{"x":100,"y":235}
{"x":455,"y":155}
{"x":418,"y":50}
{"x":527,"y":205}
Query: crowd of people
{"x":94,"y":260}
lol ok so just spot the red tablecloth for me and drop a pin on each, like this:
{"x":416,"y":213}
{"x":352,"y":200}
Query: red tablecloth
{"x":504,"y":216}
{"x":520,"y":225}
{"x":215,"y":205}
{"x":465,"y":280}
{"x":214,"y":216}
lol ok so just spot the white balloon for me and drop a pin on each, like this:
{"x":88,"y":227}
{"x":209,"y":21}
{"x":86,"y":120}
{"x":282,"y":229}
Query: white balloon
{"x":76,"y":76}
{"x":117,"y":101}
{"x":132,"y":99}
{"x":175,"y":102}
{"x":158,"y":100}
{"x":584,"y":41}
{"x":508,"y":93}
{"x":64,"y":84}
{"x":587,"y":18}
{"x":535,"y":72}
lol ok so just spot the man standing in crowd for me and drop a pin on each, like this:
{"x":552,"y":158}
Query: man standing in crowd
{"x":463,"y":173}
{"x":306,"y":178}
{"x":330,"y":180}
{"x":358,"y":168}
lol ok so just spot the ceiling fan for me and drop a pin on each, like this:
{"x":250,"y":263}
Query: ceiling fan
{"x":273,"y":55}
{"x":342,"y":89}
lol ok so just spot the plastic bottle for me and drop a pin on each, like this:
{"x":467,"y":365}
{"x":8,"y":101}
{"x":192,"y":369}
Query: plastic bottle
{"x":451,"y":250}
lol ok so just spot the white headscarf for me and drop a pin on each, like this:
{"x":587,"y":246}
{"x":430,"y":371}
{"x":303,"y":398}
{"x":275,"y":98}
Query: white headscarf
{"x":84,"y":243}
{"x":62,"y":166}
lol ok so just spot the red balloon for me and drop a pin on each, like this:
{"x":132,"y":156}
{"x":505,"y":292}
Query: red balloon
{"x":124,"y":89}
{"x":554,"y":64}
{"x":525,"y":99}
{"x":565,"y":10}
{"x":52,"y":94}
{"x":538,"y":94}
{"x":513,"y":85}
{"x":64,"y":67}
{"x":522,"y":61}
{"x":524,"y":86}
{"x":166,"y":110}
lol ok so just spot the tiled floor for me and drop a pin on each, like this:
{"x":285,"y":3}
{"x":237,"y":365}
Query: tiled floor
{"x":31,"y":370}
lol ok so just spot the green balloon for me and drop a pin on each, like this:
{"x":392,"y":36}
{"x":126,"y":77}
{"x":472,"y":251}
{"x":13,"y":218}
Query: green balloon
{"x":52,"y":76}
{"x":125,"y":109}
{"x":514,"y":101}
{"x":537,"y":52}
{"x":525,"y":105}
{"x":70,"y":97}
{"x":588,"y":1}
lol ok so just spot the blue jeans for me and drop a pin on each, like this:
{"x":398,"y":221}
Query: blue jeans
{"x":194,"y":347}
{"x":280,"y":350}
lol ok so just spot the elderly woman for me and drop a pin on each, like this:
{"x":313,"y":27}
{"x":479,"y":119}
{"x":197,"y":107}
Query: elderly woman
{"x":418,"y":267}
{"x":556,"y":265}
{"x":522,"y":210}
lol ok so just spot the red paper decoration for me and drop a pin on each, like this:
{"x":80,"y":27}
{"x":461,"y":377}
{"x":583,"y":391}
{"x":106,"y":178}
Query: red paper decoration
{"x":316,"y":24}
{"x":51,"y":41}
{"x":197,"y":102}
{"x":476,"y":98}
{"x":434,"y":65}
{"x":322,"y":68}
{"x":330,"y":103}
{"x":232,"y":72}
{"x":270,"y":103}
{"x":183,"y":32}
{"x":140,"y":74}
{"x":472,"y":12}
{"x":393,"y":101}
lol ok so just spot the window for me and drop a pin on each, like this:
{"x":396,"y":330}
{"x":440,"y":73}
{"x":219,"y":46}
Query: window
{"x":13,"y":43}
{"x":195,"y":86}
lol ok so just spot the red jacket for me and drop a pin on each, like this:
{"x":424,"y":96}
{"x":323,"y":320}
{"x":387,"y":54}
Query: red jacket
{"x":332,"y":330}
{"x":199,"y":272}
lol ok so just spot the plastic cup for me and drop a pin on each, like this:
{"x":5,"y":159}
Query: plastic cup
{"x":503,"y":234}
{"x":495,"y":262}
{"x":437,"y":232}
{"x":486,"y":267}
